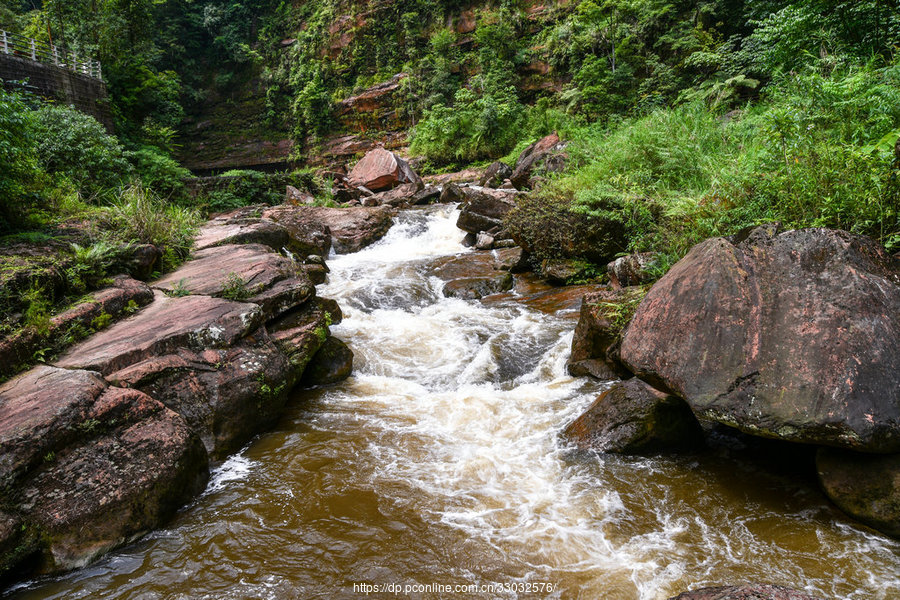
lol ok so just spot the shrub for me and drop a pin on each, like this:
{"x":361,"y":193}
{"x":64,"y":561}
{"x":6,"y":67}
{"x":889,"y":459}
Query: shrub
{"x":20,"y":171}
{"x":76,"y":146}
{"x":159,"y":172}
{"x":475,"y":127}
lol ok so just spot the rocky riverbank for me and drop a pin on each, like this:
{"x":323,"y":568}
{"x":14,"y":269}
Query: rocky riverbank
{"x":785,"y":335}
{"x":109,"y":440}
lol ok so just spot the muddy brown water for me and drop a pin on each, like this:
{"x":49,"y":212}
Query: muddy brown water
{"x":439,"y":464}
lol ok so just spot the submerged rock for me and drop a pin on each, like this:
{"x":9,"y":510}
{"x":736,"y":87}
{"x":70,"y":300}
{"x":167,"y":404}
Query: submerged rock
{"x":792,"y":335}
{"x":475,"y":288}
{"x":633,"y":418}
{"x":865,"y":486}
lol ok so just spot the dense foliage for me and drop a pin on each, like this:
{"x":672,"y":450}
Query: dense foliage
{"x":687,"y":118}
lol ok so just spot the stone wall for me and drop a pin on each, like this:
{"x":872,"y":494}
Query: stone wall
{"x":85,"y":93}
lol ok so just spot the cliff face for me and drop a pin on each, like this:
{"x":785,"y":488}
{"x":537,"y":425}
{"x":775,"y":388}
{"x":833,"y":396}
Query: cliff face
{"x":245,"y":125}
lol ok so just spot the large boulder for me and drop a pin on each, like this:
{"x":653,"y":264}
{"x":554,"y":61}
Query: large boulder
{"x":865,"y":486}
{"x":226,"y":230}
{"x":308,"y":233}
{"x":792,"y":335}
{"x":350,"y":229}
{"x":633,"y":418}
{"x":545,"y":150}
{"x":485,"y":209}
{"x":754,"y":591}
{"x":249,"y":272}
{"x":552,"y":227}
{"x":88,"y":466}
{"x":471,"y":276}
{"x":381,"y":169}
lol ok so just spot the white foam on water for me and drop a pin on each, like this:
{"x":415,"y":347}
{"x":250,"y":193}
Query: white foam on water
{"x":236,"y":468}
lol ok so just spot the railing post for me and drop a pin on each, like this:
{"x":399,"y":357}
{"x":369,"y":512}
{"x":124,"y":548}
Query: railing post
{"x":5,"y":42}
{"x":55,"y":56}
{"x":33,"y":51}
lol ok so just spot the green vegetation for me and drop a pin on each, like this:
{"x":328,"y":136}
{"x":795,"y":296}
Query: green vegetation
{"x":685,"y":119}
{"x":815,"y":150}
{"x":235,"y":288}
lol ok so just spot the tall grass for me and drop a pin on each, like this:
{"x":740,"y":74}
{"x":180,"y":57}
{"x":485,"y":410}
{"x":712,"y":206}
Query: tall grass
{"x":817,"y":150}
{"x":139,"y":216}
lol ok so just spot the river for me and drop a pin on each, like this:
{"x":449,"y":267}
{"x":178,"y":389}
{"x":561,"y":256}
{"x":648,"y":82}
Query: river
{"x":439,"y":463}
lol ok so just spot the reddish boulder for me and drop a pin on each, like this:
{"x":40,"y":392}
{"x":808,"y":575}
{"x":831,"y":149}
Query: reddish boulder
{"x":792,"y":335}
{"x":380,"y":170}
{"x":756,"y":591}
{"x":191,"y":322}
{"x":485,"y":208}
{"x":89,"y":466}
{"x":206,"y":358}
{"x":633,"y":418}
{"x":250,"y":272}
{"x":532,"y":157}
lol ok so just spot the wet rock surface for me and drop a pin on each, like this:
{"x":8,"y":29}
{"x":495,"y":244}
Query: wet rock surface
{"x":484,"y":208}
{"x":791,"y":335}
{"x":333,"y":362}
{"x":633,"y":418}
{"x":596,"y":335}
{"x":865,"y":486}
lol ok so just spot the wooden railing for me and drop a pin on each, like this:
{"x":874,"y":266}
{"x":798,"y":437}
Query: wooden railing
{"x":16,"y":45}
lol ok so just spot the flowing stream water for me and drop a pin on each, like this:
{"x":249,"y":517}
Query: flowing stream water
{"x":439,"y":463}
